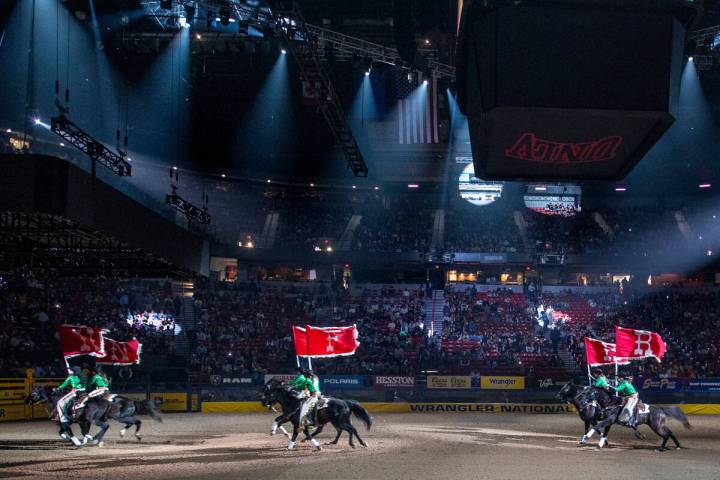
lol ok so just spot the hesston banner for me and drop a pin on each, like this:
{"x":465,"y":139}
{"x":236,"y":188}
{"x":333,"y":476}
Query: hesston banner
{"x":638,"y":344}
{"x":598,"y":352}
{"x":325,"y":342}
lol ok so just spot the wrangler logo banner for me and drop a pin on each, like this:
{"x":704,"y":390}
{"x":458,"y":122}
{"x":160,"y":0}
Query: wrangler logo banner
{"x":502,"y":383}
{"x":435,"y":381}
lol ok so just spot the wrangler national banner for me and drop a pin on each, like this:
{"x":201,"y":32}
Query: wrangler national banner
{"x":638,"y":344}
{"x":325,"y":342}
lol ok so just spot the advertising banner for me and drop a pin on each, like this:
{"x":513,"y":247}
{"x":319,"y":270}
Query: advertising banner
{"x":341,"y":382}
{"x":394,"y":382}
{"x":231,"y":381}
{"x":284,"y":377}
{"x":448,"y":382}
{"x":650,"y":383}
{"x":171,"y":401}
{"x":488,"y":382}
{"x":705,"y":384}
{"x":12,"y":412}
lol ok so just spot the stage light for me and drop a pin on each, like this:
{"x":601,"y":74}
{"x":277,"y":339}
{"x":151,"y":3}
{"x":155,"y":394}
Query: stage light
{"x":427,"y":41}
{"x":704,"y":185}
{"x":540,"y":189}
{"x":217,"y":19}
{"x":182,"y":21}
{"x":367,"y":74}
{"x":620,"y":189}
{"x":62,"y":144}
{"x":690,"y":59}
{"x":9,"y":130}
{"x":239,"y":244}
{"x":354,"y":187}
{"x":283,"y":51}
{"x":250,"y":245}
{"x":413,"y":185}
{"x":328,"y":249}
{"x":424,"y":82}
{"x":709,"y":253}
{"x":312,"y":184}
{"x":268,"y":180}
{"x":198,"y":36}
{"x":223,"y":175}
{"x":174,"y":167}
{"x":377,"y":188}
{"x":37,"y":121}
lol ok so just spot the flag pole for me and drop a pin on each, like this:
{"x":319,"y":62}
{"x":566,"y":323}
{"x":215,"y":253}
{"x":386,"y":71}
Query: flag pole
{"x":310,"y":363}
{"x":297,"y":360}
{"x":616,"y":372}
{"x":589,"y":376}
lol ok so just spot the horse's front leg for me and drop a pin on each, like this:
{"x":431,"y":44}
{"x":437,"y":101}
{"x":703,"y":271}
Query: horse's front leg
{"x":293,"y":439}
{"x":277,"y":423}
{"x":588,"y":424}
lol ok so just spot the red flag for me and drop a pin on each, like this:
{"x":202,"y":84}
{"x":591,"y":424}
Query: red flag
{"x":121,"y":353}
{"x":300,"y":338}
{"x":325,"y":342}
{"x":636,"y":344}
{"x":598,"y":352}
{"x":77,"y":340}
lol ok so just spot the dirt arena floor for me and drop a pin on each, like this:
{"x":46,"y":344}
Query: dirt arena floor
{"x":401,"y":446}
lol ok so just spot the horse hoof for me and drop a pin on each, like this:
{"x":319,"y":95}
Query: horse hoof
{"x":318,"y":448}
{"x":123,"y":432}
{"x":101,"y":444}
{"x":139,"y":438}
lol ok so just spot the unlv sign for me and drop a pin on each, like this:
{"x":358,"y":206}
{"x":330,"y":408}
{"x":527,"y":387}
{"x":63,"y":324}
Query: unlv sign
{"x":529,"y":147}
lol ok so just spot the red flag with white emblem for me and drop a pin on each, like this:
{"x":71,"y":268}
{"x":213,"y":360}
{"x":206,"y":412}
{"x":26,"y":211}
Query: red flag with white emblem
{"x":325,"y":342}
{"x":121,"y":353}
{"x":639,"y":344}
{"x":77,"y":340}
{"x":598,"y":352}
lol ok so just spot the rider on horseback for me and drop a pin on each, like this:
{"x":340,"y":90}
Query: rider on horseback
{"x":312,"y":384}
{"x":76,"y":386}
{"x":97,"y":385}
{"x":601,"y":381}
{"x":630,"y":397}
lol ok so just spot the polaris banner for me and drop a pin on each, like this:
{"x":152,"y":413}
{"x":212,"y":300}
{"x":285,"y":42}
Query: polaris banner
{"x":341,"y":382}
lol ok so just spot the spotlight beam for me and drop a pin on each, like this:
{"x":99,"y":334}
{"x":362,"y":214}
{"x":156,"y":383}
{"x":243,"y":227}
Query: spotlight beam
{"x":306,"y":56}
{"x":99,"y":153}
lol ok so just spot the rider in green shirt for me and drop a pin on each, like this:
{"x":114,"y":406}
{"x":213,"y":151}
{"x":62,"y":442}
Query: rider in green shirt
{"x":76,"y":386}
{"x":630,"y":397}
{"x":312,"y":384}
{"x":98,"y":385}
{"x":601,"y":380}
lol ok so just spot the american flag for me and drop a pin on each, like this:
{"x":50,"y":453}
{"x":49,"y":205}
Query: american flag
{"x":417,"y":111}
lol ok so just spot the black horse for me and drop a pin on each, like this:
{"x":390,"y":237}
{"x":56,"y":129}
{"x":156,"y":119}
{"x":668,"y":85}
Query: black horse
{"x":96,"y":411}
{"x":591,"y":404}
{"x":337,"y":412}
{"x":653,"y":417}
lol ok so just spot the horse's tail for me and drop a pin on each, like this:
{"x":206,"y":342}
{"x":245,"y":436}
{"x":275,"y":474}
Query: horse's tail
{"x":360,"y":412}
{"x":677,"y":414}
{"x":148,"y":407}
